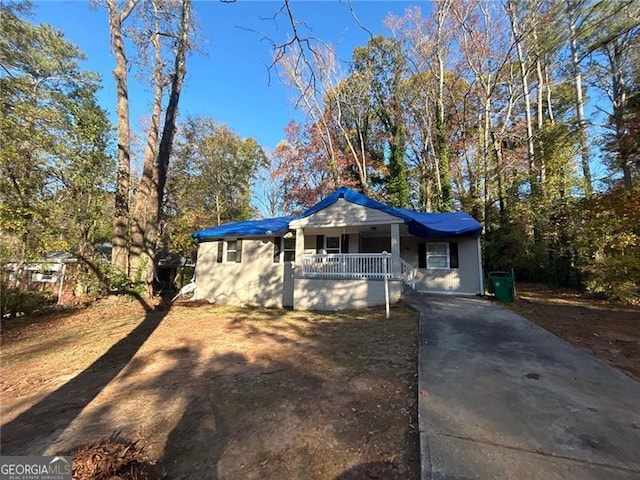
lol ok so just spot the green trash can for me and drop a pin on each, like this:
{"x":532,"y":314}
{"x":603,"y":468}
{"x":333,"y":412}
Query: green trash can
{"x":501,"y":285}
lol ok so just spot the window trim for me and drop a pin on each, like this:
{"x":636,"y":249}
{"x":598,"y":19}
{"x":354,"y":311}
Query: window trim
{"x":284,"y":250}
{"x":339,"y":249}
{"x":227,"y":251}
{"x":280,"y":251}
{"x":448,"y":256}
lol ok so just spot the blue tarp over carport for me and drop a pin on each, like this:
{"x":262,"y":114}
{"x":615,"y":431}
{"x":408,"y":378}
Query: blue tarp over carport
{"x":426,"y":225}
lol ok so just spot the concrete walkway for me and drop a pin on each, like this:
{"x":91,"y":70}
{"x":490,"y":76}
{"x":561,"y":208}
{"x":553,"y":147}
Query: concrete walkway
{"x":501,"y":398}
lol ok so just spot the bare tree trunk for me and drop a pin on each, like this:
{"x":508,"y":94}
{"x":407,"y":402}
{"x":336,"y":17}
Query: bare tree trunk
{"x":218,"y":210}
{"x":442,"y":154}
{"x":169,"y":129}
{"x":147,"y":213}
{"x":425,"y":185}
{"x":436,"y":173}
{"x":615,"y":52}
{"x":540,"y":101}
{"x":547,"y":83}
{"x":488,"y":75}
{"x":327,"y":141}
{"x":577,"y":78}
{"x":360,"y":160}
{"x":119,"y":255}
{"x":142,"y":246}
{"x":497,"y":149}
{"x":517,"y":35}
{"x":485,"y":162}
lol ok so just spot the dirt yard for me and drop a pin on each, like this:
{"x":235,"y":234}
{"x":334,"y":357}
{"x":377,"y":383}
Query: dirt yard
{"x":606,"y":331}
{"x":219,"y":392}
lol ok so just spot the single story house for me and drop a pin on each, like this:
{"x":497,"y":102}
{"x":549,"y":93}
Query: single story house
{"x":41,"y":274}
{"x":337,"y":255}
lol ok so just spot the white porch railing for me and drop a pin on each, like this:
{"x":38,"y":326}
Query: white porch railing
{"x":347,"y":265}
{"x":408,"y":273}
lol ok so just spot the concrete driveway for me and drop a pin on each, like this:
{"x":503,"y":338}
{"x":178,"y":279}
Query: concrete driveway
{"x":501,"y":398}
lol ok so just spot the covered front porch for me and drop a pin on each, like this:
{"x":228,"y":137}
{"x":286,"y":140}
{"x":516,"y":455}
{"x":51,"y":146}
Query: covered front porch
{"x":347,"y":265}
{"x":350,"y":266}
{"x":331,"y":281}
{"x":353,"y":250}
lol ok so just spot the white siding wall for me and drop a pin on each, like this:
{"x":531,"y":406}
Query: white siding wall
{"x":463,"y":280}
{"x":254,"y":281}
{"x":259,"y":281}
{"x":335,"y":294}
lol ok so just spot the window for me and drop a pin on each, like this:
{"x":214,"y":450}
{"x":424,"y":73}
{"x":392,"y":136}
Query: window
{"x":289,"y":249}
{"x":437,"y":255}
{"x":232,"y":250}
{"x":46,"y":276}
{"x":332,"y":244}
{"x":284,"y":249}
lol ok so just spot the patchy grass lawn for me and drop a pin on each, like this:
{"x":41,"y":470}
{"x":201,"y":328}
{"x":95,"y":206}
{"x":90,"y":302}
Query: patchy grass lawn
{"x":607,"y":331}
{"x":220,"y":392}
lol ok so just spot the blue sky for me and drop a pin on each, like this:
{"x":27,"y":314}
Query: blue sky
{"x":228,"y":81}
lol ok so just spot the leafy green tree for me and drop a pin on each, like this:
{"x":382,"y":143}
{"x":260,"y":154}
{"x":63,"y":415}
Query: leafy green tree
{"x":83,"y":174}
{"x":210,"y":180}
{"x":606,"y":238}
{"x":385,"y":67}
{"x":54,"y":166}
{"x":615,"y":60}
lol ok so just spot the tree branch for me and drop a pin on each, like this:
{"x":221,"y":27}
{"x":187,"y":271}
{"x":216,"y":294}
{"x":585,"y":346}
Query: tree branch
{"x":126,"y":11}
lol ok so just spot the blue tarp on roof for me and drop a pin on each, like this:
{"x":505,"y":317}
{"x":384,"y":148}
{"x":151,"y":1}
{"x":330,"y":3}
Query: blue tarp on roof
{"x":438,"y":225}
{"x":351,"y":196}
{"x":250,"y":228}
{"x":426,"y":225}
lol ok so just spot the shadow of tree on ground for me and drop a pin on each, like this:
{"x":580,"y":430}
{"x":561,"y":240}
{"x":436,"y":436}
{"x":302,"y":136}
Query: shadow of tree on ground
{"x":310,"y":400}
{"x":240,"y":393}
{"x":37,"y":428}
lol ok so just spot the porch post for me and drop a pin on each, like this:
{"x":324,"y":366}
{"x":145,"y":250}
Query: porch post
{"x":299,"y":249}
{"x":395,"y":250}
